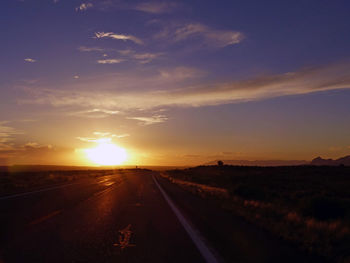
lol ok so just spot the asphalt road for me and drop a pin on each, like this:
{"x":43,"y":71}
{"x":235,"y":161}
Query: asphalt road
{"x":126,"y":218}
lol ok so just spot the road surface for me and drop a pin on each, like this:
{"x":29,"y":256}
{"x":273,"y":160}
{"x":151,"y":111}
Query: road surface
{"x":126,"y":218}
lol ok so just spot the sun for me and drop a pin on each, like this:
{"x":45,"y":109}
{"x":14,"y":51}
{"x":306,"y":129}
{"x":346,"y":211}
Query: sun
{"x":106,"y":153}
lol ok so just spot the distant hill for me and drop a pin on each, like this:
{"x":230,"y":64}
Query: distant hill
{"x":330,"y":162}
{"x":261,"y":162}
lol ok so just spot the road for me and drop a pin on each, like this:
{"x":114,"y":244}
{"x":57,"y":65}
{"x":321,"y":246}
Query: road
{"x":126,"y":218}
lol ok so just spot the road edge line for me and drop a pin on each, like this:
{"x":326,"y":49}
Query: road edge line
{"x":191,"y":231}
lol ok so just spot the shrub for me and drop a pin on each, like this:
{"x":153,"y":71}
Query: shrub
{"x":250,"y":192}
{"x":324,"y":208}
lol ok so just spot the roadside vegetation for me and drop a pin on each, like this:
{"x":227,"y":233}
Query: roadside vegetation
{"x":306,"y":205}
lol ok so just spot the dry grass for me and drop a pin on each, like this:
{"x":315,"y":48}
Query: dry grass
{"x":309,"y":206}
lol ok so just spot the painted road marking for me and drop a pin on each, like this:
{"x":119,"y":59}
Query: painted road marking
{"x":36,"y":191}
{"x":44,"y":218}
{"x":191,"y":231}
{"x":124,"y":238}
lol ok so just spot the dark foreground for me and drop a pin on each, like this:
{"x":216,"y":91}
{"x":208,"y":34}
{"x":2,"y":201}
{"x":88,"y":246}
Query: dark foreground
{"x":124,"y":218}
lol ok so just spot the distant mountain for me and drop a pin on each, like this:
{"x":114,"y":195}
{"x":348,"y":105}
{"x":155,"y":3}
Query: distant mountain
{"x":261,"y":162}
{"x":330,"y":162}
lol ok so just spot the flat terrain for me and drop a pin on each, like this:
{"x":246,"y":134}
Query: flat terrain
{"x":308,"y":206}
{"x":123,"y":217}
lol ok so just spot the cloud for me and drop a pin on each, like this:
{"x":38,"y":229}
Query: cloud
{"x":7,"y":135}
{"x":166,"y":90}
{"x":121,"y":135}
{"x":118,"y":37}
{"x":91,"y":49}
{"x":180,"y":74}
{"x":144,"y":58}
{"x":35,"y":145}
{"x":110,"y":61}
{"x":104,"y":134}
{"x":205,"y":36}
{"x":84,"y":7}
{"x":126,"y":52}
{"x":156,"y":7}
{"x":102,"y":137}
{"x":150,"y":120}
{"x":95,"y":113}
{"x":98,"y":140}
{"x":30,"y":60}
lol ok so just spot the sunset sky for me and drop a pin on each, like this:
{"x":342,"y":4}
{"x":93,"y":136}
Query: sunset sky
{"x":174,"y":82}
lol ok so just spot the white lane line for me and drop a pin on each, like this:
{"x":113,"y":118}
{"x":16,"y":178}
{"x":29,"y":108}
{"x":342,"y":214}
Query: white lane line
{"x":36,"y":191}
{"x":194,"y":234}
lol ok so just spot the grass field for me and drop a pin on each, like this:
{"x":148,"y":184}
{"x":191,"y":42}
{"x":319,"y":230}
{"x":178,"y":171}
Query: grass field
{"x":306,"y":205}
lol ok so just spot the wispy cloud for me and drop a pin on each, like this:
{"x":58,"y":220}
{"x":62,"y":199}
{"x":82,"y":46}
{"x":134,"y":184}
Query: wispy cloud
{"x":118,"y":37}
{"x":35,"y":145}
{"x":91,"y":49}
{"x":156,"y":7}
{"x":177,"y":93}
{"x":84,"y":6}
{"x":102,"y":137}
{"x":7,"y":134}
{"x":30,"y":60}
{"x":95,"y":113}
{"x":152,"y":7}
{"x":150,"y":120}
{"x":105,"y":134}
{"x":110,"y":61}
{"x":205,"y":36}
{"x":144,"y":58}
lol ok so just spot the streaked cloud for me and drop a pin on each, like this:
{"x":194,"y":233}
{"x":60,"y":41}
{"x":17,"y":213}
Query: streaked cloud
{"x":110,"y":61}
{"x":7,"y":136}
{"x":121,"y":135}
{"x":30,"y":60}
{"x":84,"y":6}
{"x":118,"y":37}
{"x":126,"y":52}
{"x":102,"y":137}
{"x":99,"y":140}
{"x":166,"y":91}
{"x":150,"y":120}
{"x":105,"y":134}
{"x":35,"y":145}
{"x":95,"y":113}
{"x":156,"y":7}
{"x":180,"y":74}
{"x":91,"y":49}
{"x":205,"y":36}
{"x":144,"y":58}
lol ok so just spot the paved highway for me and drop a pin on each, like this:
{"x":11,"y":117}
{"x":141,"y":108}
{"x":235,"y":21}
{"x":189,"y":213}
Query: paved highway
{"x":132,"y":217}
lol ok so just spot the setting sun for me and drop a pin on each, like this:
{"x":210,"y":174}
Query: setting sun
{"x":106,"y":153}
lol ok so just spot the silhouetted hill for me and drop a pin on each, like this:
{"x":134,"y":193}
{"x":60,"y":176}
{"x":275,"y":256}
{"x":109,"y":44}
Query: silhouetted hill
{"x":261,"y":162}
{"x":330,"y":162}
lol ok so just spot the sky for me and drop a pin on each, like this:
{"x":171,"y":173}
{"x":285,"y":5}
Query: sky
{"x":174,"y":82}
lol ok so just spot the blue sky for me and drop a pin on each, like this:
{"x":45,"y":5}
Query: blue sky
{"x":175,"y":82}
